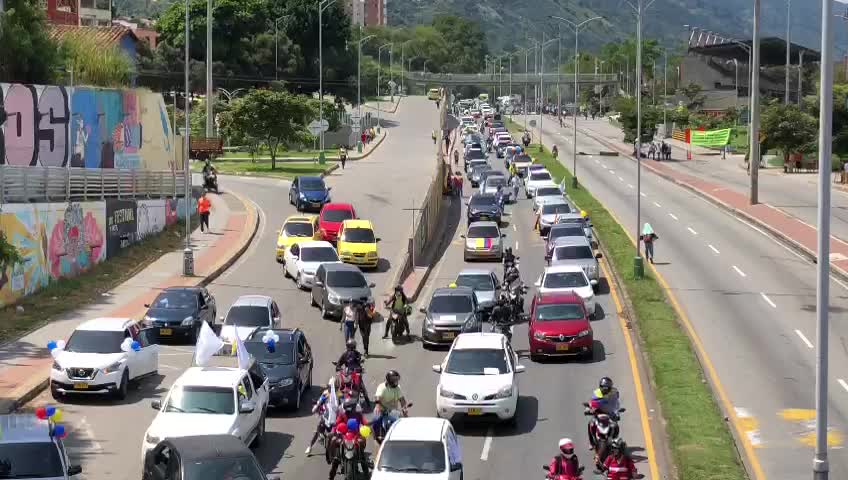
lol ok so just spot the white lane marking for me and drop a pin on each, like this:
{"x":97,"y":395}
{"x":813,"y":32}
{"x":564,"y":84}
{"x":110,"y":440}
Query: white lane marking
{"x":487,"y":445}
{"x":808,"y":343}
{"x":740,"y":272}
{"x":768,"y":300}
{"x":643,"y":194}
{"x":514,"y":228}
{"x":252,"y":249}
{"x":604,"y":166}
{"x":672,"y":216}
{"x":693,"y":232}
{"x":843,"y":383}
{"x":89,"y":434}
{"x":714,"y":249}
{"x":630,"y":185}
{"x":171,"y":367}
{"x":621,"y":179}
{"x":658,"y":205}
{"x":612,"y":172}
{"x":516,"y":245}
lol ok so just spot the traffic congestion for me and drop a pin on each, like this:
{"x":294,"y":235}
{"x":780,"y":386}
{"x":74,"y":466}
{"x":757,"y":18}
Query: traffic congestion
{"x":249,"y":364}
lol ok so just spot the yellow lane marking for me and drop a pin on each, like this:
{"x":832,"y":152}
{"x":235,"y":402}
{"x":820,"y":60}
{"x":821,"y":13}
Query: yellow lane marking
{"x":637,"y":380}
{"x":807,"y":419}
{"x":750,"y":425}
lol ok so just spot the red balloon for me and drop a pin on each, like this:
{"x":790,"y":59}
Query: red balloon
{"x":342,"y":428}
{"x":350,"y":436}
{"x":41,"y":413}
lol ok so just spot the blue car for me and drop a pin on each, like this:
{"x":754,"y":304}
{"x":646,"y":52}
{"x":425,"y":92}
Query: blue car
{"x":308,"y":193}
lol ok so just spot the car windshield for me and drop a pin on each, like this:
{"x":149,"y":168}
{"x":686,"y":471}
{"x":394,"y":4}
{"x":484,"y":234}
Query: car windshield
{"x":540,"y":176}
{"x":248,"y":316}
{"x":522,"y":159}
{"x":565,"y":280}
{"x":30,"y":460}
{"x":346,"y":279}
{"x":475,"y":154}
{"x":483,"y":200}
{"x":573,"y":253}
{"x":412,"y":457}
{"x":197,"y":399}
{"x":482,"y":282}
{"x":483,"y":232}
{"x":319,"y":254}
{"x":555,"y":208}
{"x":450,"y":304}
{"x":477,"y":361}
{"x":560,"y":311}
{"x":283,"y":353}
{"x":311,"y":184}
{"x":358,"y":235}
{"x":95,"y":341}
{"x":239,"y":468}
{"x":336,"y":215}
{"x":176,"y":299}
{"x":549,"y":192}
{"x":298,"y":229}
{"x":495,"y":181}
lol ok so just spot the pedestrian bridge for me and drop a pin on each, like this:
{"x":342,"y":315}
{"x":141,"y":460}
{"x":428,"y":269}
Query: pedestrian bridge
{"x":451,"y":79}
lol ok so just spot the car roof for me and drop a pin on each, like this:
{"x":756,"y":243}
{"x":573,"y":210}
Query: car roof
{"x":358,"y":223}
{"x":479,"y":340}
{"x":474,"y":271}
{"x":558,"y":297}
{"x":554,"y":200}
{"x":253,"y":301}
{"x":301,"y":218}
{"x":310,"y":177}
{"x":571,"y":241}
{"x":453,"y":292}
{"x":227,"y":377}
{"x":566,"y":267}
{"x":486,"y":223}
{"x":107,"y":324}
{"x":314,"y":244}
{"x":287,"y":335}
{"x":24,"y":428}
{"x":571,"y":215}
{"x":339,"y":267}
{"x":540,"y":170}
{"x":421,"y":429}
{"x":337,"y":206}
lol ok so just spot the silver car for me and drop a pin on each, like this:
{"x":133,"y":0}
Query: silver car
{"x":483,"y":240}
{"x":550,"y":211}
{"x":451,"y":311}
{"x":484,"y":283}
{"x":493,"y":179}
{"x":544,"y":194}
{"x":578,"y":219}
{"x":577,"y":251}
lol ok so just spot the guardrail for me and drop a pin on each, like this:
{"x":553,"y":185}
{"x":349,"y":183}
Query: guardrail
{"x":58,"y":184}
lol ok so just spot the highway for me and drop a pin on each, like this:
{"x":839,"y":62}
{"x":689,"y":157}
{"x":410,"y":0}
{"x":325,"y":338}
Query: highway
{"x":751,"y":302}
{"x":106,"y":437}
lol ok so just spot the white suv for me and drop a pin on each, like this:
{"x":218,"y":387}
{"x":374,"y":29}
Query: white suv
{"x":93,"y":361}
{"x":303,"y":259}
{"x":426,"y":447}
{"x":211,"y":401}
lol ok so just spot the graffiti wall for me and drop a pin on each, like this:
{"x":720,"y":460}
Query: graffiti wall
{"x":83,"y":127}
{"x":62,"y":240}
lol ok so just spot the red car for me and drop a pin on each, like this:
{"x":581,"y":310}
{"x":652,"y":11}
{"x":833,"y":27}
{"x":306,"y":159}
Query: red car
{"x":332,"y":216}
{"x":559,"y":326}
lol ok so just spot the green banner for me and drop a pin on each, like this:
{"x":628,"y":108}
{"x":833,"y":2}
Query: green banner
{"x":711,"y":138}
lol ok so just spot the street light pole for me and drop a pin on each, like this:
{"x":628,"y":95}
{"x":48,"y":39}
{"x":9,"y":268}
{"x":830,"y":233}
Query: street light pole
{"x":322,"y":5}
{"x":276,"y":46}
{"x":788,"y":47}
{"x":188,"y":253}
{"x":542,"y":85}
{"x":359,"y":81}
{"x":754,"y":147}
{"x":209,"y":95}
{"x":526,"y":65}
{"x":379,"y":67}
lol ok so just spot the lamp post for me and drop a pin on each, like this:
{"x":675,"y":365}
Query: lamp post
{"x":754,"y":139}
{"x":188,"y":254}
{"x":322,"y":5}
{"x":209,"y":93}
{"x":542,"y":84}
{"x":379,"y":67}
{"x":576,"y":27}
{"x":788,"y":47}
{"x":276,"y":46}
{"x":425,"y":66}
{"x":535,"y":46}
{"x":359,"y":84}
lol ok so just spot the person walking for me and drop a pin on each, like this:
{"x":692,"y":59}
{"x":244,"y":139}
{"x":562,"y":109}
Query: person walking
{"x":648,"y":238}
{"x":343,"y":156}
{"x":363,"y":320}
{"x":555,"y":152}
{"x":447,"y":143}
{"x":204,"y":206}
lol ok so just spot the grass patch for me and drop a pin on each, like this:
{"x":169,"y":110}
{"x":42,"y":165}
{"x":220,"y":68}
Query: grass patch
{"x":286,"y":170}
{"x":67,"y":294}
{"x":264,"y":156}
{"x":701,"y":444}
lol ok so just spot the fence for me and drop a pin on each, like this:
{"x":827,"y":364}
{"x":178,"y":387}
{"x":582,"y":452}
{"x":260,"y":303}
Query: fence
{"x":59,"y":184}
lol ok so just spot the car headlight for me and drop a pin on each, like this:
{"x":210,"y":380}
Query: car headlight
{"x":505,"y":392}
{"x":148,"y":318}
{"x":309,"y":272}
{"x":333,"y":298}
{"x":188,"y":320}
{"x":584,"y":333}
{"x":286,"y":382}
{"x":151,"y":438}
{"x":538,"y":335}
{"x":302,"y":196}
{"x":428,"y":322}
{"x":372,"y":254}
{"x":593,"y":270}
{"x":56,"y":366}
{"x":115,"y":367}
{"x":444,"y":392}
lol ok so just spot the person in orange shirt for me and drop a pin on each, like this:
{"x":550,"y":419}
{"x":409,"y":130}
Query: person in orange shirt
{"x":203,"y":208}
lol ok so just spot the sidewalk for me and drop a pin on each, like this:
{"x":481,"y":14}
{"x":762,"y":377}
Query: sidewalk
{"x":353,"y":155}
{"x":25,"y":363}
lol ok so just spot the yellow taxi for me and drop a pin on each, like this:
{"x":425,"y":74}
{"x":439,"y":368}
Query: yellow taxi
{"x":297,"y":228}
{"x":357,"y":244}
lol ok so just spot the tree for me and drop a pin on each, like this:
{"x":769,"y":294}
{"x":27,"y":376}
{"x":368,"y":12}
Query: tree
{"x":27,"y":55}
{"x":274,"y":116}
{"x":94,"y":64}
{"x":9,"y":257}
{"x":651,"y":116}
{"x":692,"y":92}
{"x":788,"y":129}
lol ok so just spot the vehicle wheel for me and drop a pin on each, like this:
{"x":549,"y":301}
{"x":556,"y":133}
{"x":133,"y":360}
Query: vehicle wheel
{"x":123,"y":388}
{"x":56,"y":394}
{"x":312,"y":300}
{"x":299,"y":282}
{"x":260,"y":432}
{"x":534,"y":357}
{"x":325,"y":314}
{"x":193,"y":335}
{"x":286,"y":273}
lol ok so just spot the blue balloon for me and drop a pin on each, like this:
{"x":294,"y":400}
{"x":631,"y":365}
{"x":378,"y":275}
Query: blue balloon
{"x":59,"y":430}
{"x":136,"y":346}
{"x":50,"y":411}
{"x":353,"y":425}
{"x":272,"y":347}
{"x":51,"y":345}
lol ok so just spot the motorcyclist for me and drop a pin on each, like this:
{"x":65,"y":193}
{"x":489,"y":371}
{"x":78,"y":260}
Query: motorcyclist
{"x":350,"y":411}
{"x":602,"y":425}
{"x":565,"y":463}
{"x":389,"y":398}
{"x":499,"y":316}
{"x":209,"y":168}
{"x":397,"y":303}
{"x":619,"y":465}
{"x":606,"y":398}
{"x":352,"y":360}
{"x":509,"y":257}
{"x":321,"y":407}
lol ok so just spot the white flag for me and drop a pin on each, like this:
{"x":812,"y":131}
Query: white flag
{"x":332,"y":404}
{"x":207,"y":345}
{"x":241,"y":353}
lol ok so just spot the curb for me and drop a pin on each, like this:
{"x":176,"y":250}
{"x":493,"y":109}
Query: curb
{"x":393,"y":110}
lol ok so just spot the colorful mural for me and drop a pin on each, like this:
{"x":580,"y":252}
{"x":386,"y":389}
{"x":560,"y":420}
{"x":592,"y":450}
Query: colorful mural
{"x":150,"y":217}
{"x":86,"y":127}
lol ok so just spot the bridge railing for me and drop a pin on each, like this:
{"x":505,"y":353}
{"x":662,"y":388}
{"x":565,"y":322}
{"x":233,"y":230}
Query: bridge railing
{"x":516,"y":77}
{"x":58,"y":184}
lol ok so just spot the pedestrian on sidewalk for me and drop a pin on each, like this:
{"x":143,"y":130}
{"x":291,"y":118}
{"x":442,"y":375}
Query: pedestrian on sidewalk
{"x":668,"y":151}
{"x":457,"y":183}
{"x":364,"y":138}
{"x":555,"y":152}
{"x":447,"y":143}
{"x":648,"y":238}
{"x":652,"y":151}
{"x":204,"y":206}
{"x":343,"y":156}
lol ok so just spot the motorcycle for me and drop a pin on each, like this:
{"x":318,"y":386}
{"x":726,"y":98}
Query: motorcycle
{"x":350,"y":455}
{"x":210,"y":181}
{"x":551,"y":476}
{"x":400,"y":323}
{"x":607,"y":430}
{"x":380,"y":428}
{"x":349,"y":380}
{"x":509,"y":266}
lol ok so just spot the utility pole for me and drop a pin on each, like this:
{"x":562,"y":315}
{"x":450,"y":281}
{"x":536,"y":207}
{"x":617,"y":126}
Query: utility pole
{"x":526,"y":65}
{"x":359,"y":43}
{"x":754,"y":147}
{"x":821,"y":466}
{"x":559,"y":74}
{"x":322,"y":5}
{"x":788,"y":48}
{"x":188,"y":253}
{"x":541,"y":89}
{"x":379,"y":67}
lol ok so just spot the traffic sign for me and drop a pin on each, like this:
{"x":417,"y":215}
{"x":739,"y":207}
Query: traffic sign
{"x":316,"y":127}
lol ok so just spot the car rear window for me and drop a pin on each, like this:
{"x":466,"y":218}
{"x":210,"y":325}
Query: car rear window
{"x":298,"y":229}
{"x":483,"y":232}
{"x":561,"y":311}
{"x":337,"y":215}
{"x":495,"y":181}
{"x":554,"y":208}
{"x":199,"y":399}
{"x":318,"y":254}
{"x":548,"y":191}
{"x":566,"y":231}
{"x":482,"y":282}
{"x":565,"y":280}
{"x":241,"y":468}
{"x":573,"y":253}
{"x":176,"y":299}
{"x":540,"y":176}
{"x":412,"y":457}
{"x":450,"y":304}
{"x":346,"y":279}
{"x":358,"y":235}
{"x":248,"y":316}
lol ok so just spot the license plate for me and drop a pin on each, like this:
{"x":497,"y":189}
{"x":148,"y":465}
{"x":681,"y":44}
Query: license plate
{"x":80,"y":386}
{"x":562,"y":347}
{"x":165,"y":331}
{"x":475,"y":411}
{"x":484,"y":217}
{"x":448,"y":335}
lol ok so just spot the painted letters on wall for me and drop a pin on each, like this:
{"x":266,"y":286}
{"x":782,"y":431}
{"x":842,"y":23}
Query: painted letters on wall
{"x":121,"y":225}
{"x":86,"y":127}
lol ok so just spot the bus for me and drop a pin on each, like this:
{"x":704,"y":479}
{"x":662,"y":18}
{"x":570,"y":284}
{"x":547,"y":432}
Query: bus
{"x":434,"y":94}
{"x":483,"y":97}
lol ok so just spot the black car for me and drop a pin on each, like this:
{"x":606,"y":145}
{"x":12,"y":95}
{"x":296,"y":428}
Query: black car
{"x":308,"y":193}
{"x":202,"y":457}
{"x":180,"y":311}
{"x":288,"y":368}
{"x":484,"y":206}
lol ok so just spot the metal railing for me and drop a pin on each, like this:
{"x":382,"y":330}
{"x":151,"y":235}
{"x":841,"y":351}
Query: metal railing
{"x":58,"y":184}
{"x":517,"y":78}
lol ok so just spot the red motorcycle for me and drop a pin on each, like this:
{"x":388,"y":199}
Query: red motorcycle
{"x":552,"y":476}
{"x":349,"y":380}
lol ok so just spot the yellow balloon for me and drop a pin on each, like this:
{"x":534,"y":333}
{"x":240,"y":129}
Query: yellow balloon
{"x":57,"y":415}
{"x":365,"y":431}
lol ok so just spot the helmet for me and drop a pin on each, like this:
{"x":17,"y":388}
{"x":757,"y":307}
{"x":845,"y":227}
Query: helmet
{"x":605,"y":385}
{"x":566,"y":446}
{"x":351,"y":344}
{"x":398,"y":288}
{"x":452,"y":285}
{"x":392,"y":378}
{"x":618,"y":445}
{"x":584,"y":213}
{"x":350,"y":405}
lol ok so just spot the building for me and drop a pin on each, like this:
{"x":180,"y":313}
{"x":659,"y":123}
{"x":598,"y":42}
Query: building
{"x":122,"y":37}
{"x":356,"y":11}
{"x":89,"y":13}
{"x":376,"y":12}
{"x":143,"y":29}
{"x":63,"y":12}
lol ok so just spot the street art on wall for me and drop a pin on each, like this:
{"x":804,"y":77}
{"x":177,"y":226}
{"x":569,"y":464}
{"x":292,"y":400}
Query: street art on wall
{"x":121,"y":225}
{"x":55,"y":126}
{"x":150,"y":217}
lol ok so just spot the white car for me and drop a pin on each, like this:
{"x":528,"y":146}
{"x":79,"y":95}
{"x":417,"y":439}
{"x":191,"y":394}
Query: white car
{"x":95,"y":359}
{"x":211,"y":401}
{"x":545,"y":194}
{"x":248,"y":313}
{"x":425,"y":447}
{"x":478,"y":377}
{"x":539,"y":178}
{"x":568,"y":278}
{"x":304,"y":258}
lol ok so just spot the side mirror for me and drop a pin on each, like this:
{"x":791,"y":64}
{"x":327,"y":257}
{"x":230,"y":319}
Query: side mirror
{"x":156,"y":405}
{"x":74,"y":470}
{"x":503,"y":235}
{"x":221,"y":318}
{"x":272,"y":477}
{"x":538,"y":283}
{"x":455,"y":467}
{"x":247,"y":406}
{"x":546,"y":468}
{"x":463,"y":236}
{"x":146,"y":305}
{"x":422,"y":310}
{"x":318,"y":283}
{"x":548,"y":257}
{"x":437,"y":368}
{"x":329,"y":188}
{"x":520,"y":369}
{"x":372,"y":285}
{"x":378,"y":239}
{"x":599,"y":255}
{"x":622,"y":410}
